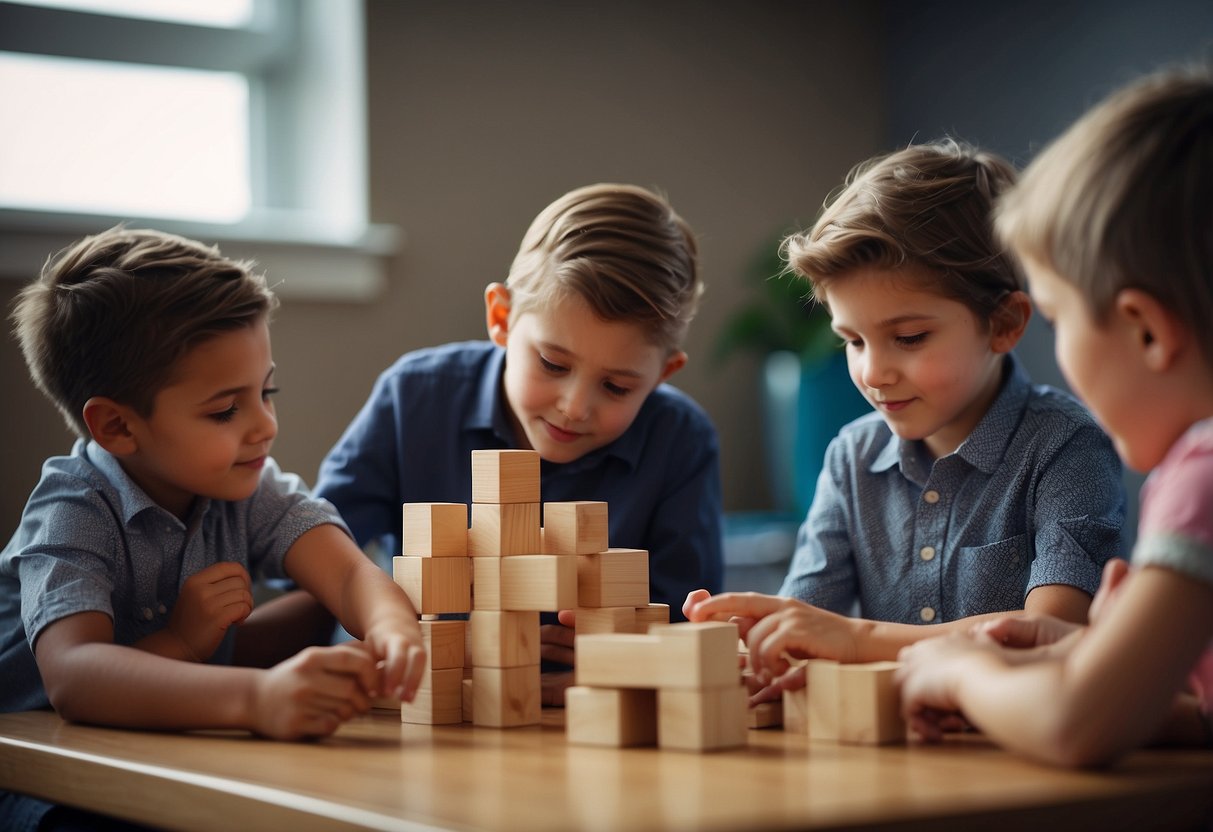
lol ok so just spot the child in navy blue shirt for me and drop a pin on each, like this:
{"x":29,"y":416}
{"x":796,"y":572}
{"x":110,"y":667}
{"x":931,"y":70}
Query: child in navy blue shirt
{"x":582,"y":335}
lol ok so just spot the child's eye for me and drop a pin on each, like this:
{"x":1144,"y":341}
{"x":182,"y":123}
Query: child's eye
{"x":912,"y":340}
{"x":225,"y":416}
{"x":615,"y":389}
{"x":853,"y":343}
{"x":550,"y":367}
{"x":267,"y":392}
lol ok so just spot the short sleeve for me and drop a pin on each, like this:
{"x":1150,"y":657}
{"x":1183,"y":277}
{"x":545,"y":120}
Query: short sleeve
{"x":280,"y":512}
{"x":1176,"y":527}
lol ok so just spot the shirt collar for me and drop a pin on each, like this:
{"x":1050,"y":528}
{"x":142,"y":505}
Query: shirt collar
{"x":132,"y":499}
{"x":489,"y":409}
{"x":985,"y":446}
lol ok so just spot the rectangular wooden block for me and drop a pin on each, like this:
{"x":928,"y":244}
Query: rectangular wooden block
{"x":796,"y":711}
{"x":615,"y":717}
{"x":674,"y":656}
{"x":504,"y":697}
{"x":821,"y":683}
{"x":591,"y":620}
{"x":702,"y":720}
{"x":486,"y":583}
{"x":505,"y":639}
{"x":467,"y":700}
{"x":439,"y":699}
{"x":505,"y":476}
{"x":869,"y":707}
{"x":443,"y":643}
{"x":538,"y":582}
{"x":574,"y":528}
{"x":613,"y":578}
{"x":651,"y":614}
{"x":435,"y":585}
{"x":434,"y":529}
{"x":765,"y":715}
{"x":500,"y":529}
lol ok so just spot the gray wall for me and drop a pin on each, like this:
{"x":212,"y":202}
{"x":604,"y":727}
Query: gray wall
{"x":1012,"y":76}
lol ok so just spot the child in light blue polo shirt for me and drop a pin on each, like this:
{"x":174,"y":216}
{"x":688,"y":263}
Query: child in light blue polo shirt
{"x":969,"y":491}
{"x":126,"y":587}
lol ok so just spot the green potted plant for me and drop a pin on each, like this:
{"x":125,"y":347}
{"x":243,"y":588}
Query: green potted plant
{"x":806,"y":390}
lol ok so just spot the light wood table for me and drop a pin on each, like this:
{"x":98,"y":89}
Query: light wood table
{"x":376,"y":773}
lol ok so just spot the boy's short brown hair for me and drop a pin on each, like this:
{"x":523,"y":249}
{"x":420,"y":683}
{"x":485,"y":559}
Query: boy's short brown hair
{"x":929,"y":205}
{"x":111,"y":315}
{"x":622,"y":249}
{"x":1124,"y":199}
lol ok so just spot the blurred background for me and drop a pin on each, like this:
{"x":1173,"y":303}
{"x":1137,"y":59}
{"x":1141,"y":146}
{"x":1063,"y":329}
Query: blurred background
{"x":383,"y":159}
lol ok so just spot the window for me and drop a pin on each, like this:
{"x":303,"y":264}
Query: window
{"x":235,"y":121}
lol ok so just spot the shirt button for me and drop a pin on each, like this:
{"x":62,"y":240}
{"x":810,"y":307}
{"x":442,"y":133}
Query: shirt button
{"x":162,"y":609}
{"x":927,"y":614}
{"x":927,"y":552}
{"x":931,"y":497}
{"x":147,"y":613}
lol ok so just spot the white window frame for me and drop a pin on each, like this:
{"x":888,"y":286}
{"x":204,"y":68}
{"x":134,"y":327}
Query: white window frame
{"x":309,"y":226}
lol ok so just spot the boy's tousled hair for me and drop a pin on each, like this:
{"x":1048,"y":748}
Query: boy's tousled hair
{"x":622,"y":249}
{"x":927,"y":205}
{"x":112,"y":314}
{"x":1124,"y":199}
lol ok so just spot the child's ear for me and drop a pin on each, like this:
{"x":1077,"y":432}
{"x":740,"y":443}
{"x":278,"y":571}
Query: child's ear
{"x":109,"y":423}
{"x":673,"y":364}
{"x":497,"y":312}
{"x":1009,"y":321}
{"x":1153,"y":328}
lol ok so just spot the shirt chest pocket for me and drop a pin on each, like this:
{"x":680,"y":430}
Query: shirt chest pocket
{"x":991,"y":578}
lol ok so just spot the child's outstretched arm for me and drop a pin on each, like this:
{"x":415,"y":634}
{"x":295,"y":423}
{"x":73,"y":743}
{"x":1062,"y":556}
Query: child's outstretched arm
{"x":1111,"y":692}
{"x":326,"y":562}
{"x":88,"y":678}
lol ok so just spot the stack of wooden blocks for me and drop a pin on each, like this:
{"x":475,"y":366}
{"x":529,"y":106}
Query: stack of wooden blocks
{"x":505,"y":569}
{"x":678,"y":686}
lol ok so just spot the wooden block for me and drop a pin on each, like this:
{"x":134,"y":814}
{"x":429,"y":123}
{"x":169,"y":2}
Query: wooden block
{"x":467,"y":700}
{"x":435,"y":529}
{"x":796,"y":711}
{"x":702,"y":720}
{"x":869,"y":706}
{"x":591,"y":620}
{"x":574,"y":528}
{"x":821,"y":683}
{"x":538,"y":582}
{"x":674,"y":656}
{"x":435,"y":585}
{"x":486,"y":583}
{"x":504,"y":529}
{"x":765,"y":715}
{"x":615,"y":717}
{"x":651,"y":614}
{"x":467,"y":643}
{"x":505,"y":639}
{"x":613,"y":578}
{"x":505,"y":476}
{"x":385,"y":703}
{"x":504,"y":697}
{"x":443,"y":643}
{"x":439,"y":699}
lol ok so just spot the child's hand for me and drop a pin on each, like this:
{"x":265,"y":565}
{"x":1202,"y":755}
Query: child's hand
{"x":210,"y":601}
{"x":929,"y":677}
{"x":1026,"y":630}
{"x":312,"y":693}
{"x":400,"y":650}
{"x":776,"y":628}
{"x":556,"y":640}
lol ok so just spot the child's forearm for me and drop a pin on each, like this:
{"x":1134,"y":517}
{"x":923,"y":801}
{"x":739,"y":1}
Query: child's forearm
{"x":167,"y":644}
{"x":111,"y":685}
{"x":882,"y":640}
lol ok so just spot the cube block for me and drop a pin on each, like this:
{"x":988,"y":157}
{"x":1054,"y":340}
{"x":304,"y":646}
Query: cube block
{"x":613,"y":578}
{"x":538,"y":582}
{"x":504,"y":529}
{"x":434,"y":529}
{"x":435,"y":585}
{"x":574,"y":528}
{"x":614,"y":717}
{"x":505,"y":476}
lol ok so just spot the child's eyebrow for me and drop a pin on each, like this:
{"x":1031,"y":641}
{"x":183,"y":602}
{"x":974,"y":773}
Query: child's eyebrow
{"x":232,"y":391}
{"x":905,"y":319}
{"x":550,"y":347}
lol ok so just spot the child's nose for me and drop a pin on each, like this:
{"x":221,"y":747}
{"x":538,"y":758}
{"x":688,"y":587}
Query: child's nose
{"x":878,"y":371}
{"x":575,"y":403}
{"x":265,"y":426}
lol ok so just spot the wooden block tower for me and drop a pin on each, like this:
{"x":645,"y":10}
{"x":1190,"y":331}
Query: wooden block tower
{"x":677,"y":686}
